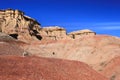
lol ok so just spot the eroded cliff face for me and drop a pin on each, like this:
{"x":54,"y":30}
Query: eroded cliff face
{"x":24,"y":28}
{"x":81,"y":33}
{"x":18,"y":25}
{"x":59,"y":33}
{"x":53,"y":33}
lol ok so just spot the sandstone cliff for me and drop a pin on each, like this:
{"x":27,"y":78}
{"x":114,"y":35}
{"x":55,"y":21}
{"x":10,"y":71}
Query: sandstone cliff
{"x":98,"y":51}
{"x":81,"y":33}
{"x":59,"y":33}
{"x":25,"y":28}
{"x":18,"y":25}
{"x":53,"y":33}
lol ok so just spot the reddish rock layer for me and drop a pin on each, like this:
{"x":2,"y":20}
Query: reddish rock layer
{"x":37,"y":68}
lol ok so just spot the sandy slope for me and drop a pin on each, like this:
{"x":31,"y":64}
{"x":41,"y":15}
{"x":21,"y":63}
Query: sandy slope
{"x":112,"y":69}
{"x":38,"y":68}
{"x":93,"y":50}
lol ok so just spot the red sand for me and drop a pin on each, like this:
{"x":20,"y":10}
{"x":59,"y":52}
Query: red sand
{"x":38,"y":68}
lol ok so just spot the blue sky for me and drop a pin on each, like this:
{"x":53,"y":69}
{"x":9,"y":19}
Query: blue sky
{"x":101,"y":16}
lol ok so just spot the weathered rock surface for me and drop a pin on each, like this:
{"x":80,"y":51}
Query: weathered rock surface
{"x":10,"y":46}
{"x":37,"y":68}
{"x":53,"y":33}
{"x":98,"y":51}
{"x":22,"y":27}
{"x":112,"y":69}
{"x":5,"y":37}
{"x":18,"y":25}
{"x":93,"y":50}
{"x":81,"y":33}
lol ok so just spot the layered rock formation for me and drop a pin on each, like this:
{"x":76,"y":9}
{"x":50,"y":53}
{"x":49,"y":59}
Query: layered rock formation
{"x":18,"y":25}
{"x":59,"y":33}
{"x":81,"y":33}
{"x":22,"y":27}
{"x":5,"y":37}
{"x":98,"y":51}
{"x":93,"y":50}
{"x":53,"y":33}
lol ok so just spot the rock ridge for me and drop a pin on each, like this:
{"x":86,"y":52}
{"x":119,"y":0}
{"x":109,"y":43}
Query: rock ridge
{"x":22,"y":27}
{"x":18,"y":25}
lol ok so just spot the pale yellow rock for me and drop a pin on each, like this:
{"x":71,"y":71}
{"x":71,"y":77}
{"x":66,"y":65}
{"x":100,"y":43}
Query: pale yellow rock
{"x":25,"y":28}
{"x":81,"y":33}
{"x":14,"y":22}
{"x":53,"y":33}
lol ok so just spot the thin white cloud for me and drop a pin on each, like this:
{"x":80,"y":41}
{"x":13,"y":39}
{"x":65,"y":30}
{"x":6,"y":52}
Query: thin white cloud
{"x":107,"y":23}
{"x":109,"y":27}
{"x":94,"y":26}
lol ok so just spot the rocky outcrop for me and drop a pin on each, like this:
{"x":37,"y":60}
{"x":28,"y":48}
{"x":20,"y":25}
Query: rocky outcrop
{"x":18,"y":25}
{"x":53,"y":33}
{"x":25,"y":28}
{"x":81,"y":33}
{"x":58,"y":33}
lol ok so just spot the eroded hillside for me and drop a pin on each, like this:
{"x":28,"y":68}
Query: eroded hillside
{"x":93,"y":50}
{"x":38,"y":68}
{"x":23,"y":36}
